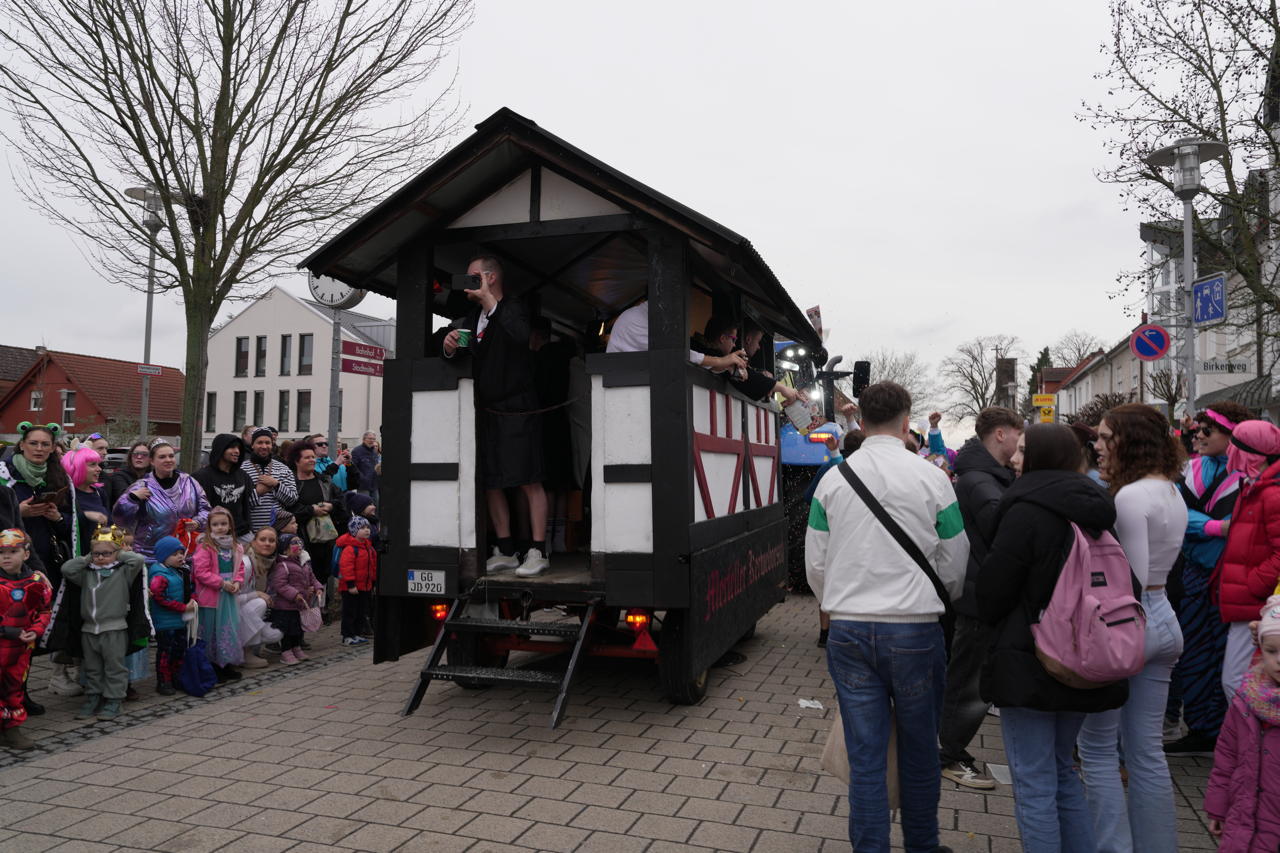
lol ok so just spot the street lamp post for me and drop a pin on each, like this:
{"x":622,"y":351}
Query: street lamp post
{"x":151,"y":202}
{"x":1185,"y":156}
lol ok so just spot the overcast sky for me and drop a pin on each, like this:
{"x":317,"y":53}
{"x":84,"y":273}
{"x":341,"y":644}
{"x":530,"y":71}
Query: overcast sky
{"x":916,"y":169}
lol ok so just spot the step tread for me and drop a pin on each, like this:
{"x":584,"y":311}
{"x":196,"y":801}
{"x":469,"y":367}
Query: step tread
{"x":497,"y":675}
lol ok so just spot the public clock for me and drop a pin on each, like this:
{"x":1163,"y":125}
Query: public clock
{"x":332,"y":293}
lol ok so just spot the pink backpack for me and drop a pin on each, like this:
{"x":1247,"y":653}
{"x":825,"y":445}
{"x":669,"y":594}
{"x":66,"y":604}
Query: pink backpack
{"x":1093,"y":633}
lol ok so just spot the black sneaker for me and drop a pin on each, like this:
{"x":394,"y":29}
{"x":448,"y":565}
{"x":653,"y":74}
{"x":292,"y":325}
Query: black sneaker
{"x":164,"y":688}
{"x":34,"y":708}
{"x":274,"y":648}
{"x":231,"y":673}
{"x":822,"y":637}
{"x":1192,"y":743}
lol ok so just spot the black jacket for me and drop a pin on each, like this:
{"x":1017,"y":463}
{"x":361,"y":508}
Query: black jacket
{"x":502,"y":363}
{"x":11,"y":517}
{"x":980,"y":484}
{"x":230,"y":489}
{"x":1015,"y":584}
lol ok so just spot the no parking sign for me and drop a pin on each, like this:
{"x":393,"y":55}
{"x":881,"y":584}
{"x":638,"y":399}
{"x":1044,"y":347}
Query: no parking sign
{"x":1149,"y":342}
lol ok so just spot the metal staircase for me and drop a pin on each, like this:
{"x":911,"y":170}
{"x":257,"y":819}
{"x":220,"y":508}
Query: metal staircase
{"x":452,"y":636}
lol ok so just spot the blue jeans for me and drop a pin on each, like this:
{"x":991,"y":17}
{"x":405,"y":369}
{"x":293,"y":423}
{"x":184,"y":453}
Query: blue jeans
{"x":1146,"y":823}
{"x":872,"y":665}
{"x":1049,"y":802}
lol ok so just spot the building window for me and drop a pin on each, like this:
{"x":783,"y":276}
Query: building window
{"x":283,"y":424}
{"x":237,"y":413}
{"x":306,"y":347}
{"x":37,"y":400}
{"x":304,"y":409}
{"x":68,"y":408}
{"x":286,"y":355}
{"x":211,"y":412}
{"x":259,"y":401}
{"x":260,"y":357}
{"x":242,"y":356}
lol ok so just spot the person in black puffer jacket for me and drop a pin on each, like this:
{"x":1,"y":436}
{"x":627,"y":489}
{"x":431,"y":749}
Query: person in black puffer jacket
{"x":1039,"y":715}
{"x":982,"y":475}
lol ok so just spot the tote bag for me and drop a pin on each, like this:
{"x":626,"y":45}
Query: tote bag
{"x":835,"y":757}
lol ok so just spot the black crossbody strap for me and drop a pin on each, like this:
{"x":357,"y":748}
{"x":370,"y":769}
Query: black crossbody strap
{"x":899,"y":535}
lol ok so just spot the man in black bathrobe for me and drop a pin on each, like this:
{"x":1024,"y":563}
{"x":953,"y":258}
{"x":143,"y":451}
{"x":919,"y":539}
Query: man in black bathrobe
{"x":510,"y":440}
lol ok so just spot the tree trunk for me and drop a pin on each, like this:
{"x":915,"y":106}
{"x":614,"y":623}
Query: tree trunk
{"x":199,"y":321}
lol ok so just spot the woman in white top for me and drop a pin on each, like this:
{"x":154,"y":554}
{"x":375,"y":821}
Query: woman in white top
{"x":1141,"y":460}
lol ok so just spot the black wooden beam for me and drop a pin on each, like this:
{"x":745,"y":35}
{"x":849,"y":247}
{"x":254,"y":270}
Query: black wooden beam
{"x":628,"y":473}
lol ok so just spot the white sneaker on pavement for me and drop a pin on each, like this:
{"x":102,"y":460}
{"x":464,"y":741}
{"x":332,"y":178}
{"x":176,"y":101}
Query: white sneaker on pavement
{"x":968,"y":775}
{"x":500,"y":561}
{"x":534,"y":564}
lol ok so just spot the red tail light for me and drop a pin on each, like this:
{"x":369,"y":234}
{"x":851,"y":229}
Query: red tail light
{"x":637,"y":620}
{"x":439,"y":612}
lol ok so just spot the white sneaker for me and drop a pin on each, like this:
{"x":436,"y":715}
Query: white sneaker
{"x":64,"y":682}
{"x":534,"y":564}
{"x":500,"y":561}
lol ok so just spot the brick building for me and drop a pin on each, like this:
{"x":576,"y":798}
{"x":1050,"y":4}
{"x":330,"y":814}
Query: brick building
{"x":87,"y":394}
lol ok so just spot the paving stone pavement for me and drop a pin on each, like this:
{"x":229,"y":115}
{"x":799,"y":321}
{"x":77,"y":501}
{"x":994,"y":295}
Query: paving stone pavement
{"x":317,"y":758}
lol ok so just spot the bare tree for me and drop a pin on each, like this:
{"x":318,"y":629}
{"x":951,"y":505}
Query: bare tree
{"x":262,"y":127}
{"x":1074,"y":347}
{"x":1168,"y":388}
{"x":1091,"y":412}
{"x":905,"y":368}
{"x":1205,"y":69}
{"x":970,"y":373}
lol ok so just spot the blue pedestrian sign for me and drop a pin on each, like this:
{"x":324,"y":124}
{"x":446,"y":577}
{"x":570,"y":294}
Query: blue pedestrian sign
{"x":1209,"y":300}
{"x":1149,"y":342}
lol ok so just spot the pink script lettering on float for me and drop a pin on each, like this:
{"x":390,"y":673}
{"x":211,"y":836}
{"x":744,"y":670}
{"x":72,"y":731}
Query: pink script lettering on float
{"x":726,"y":584}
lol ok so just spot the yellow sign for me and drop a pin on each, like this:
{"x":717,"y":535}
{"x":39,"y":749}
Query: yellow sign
{"x":1047,"y":415}
{"x":1042,"y":400}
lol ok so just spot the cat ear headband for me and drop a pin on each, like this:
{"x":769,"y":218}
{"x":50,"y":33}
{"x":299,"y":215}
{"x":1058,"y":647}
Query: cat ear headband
{"x":26,"y":427}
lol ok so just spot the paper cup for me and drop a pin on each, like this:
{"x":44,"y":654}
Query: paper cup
{"x":464,"y":337}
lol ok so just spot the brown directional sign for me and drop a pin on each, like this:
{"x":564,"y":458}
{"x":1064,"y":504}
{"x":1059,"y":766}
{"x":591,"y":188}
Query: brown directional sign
{"x":363,"y":350}
{"x":364,"y":368}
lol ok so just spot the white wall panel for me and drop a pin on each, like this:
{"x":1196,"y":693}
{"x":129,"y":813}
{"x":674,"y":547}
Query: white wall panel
{"x":428,"y":526}
{"x":629,"y":507}
{"x":507,"y":205}
{"x":563,"y":199}
{"x":763,"y":466}
{"x":435,"y":422}
{"x":625,"y":416}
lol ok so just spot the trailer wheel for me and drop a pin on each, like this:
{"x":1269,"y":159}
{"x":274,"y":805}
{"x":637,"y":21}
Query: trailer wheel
{"x":467,"y":650}
{"x":674,"y":663}
{"x":751,"y":632}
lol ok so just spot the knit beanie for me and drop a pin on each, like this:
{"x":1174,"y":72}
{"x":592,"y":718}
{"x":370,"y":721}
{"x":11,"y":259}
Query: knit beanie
{"x":282,"y":519}
{"x":356,"y":524}
{"x":1270,"y":623}
{"x":167,"y":547}
{"x":358,"y":503}
{"x":286,"y":542}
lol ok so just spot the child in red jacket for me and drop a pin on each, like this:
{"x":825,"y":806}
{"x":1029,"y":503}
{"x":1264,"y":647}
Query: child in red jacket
{"x":358,"y":565}
{"x":25,"y":597}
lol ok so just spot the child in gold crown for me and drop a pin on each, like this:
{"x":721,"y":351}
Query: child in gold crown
{"x":104,"y":575}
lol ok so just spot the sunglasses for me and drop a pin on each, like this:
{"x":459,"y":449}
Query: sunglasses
{"x":1206,"y":431}
{"x":140,"y":453}
{"x":321,"y":443}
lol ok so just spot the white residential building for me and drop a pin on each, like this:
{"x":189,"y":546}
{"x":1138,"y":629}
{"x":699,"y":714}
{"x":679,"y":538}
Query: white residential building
{"x":1114,"y":371}
{"x":270,"y":365}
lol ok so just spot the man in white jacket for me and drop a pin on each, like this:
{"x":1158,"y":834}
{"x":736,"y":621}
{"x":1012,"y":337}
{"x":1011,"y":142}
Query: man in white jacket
{"x":886,"y":644}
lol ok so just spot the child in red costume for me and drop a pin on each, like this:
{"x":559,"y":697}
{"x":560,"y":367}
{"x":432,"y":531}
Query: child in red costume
{"x":25,"y":597}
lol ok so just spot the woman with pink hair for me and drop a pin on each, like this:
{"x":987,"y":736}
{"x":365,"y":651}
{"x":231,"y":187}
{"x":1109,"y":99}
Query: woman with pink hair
{"x":84,"y":469}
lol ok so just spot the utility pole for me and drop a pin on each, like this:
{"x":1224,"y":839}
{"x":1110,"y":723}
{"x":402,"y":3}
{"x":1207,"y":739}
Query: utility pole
{"x":335,"y":373}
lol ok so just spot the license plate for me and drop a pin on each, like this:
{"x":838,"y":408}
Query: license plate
{"x":423,"y":582}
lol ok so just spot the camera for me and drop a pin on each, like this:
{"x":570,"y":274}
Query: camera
{"x":462,"y":281}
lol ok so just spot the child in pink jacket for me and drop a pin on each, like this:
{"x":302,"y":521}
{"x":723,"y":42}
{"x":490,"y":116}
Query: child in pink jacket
{"x":1243,"y":797}
{"x":217,"y":567}
{"x":293,"y":588}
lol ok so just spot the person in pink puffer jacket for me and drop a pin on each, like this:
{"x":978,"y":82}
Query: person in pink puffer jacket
{"x":293,"y":589}
{"x":1243,"y":797}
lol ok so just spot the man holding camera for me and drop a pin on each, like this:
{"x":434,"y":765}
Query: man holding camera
{"x":496,"y":335}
